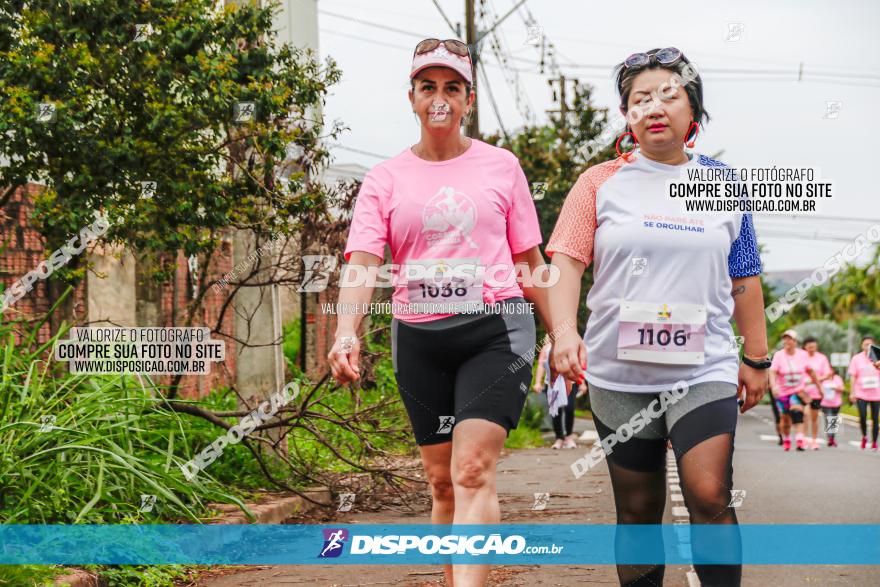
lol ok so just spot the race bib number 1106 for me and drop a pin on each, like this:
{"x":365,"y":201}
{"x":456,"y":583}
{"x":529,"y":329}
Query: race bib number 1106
{"x":662,"y":333}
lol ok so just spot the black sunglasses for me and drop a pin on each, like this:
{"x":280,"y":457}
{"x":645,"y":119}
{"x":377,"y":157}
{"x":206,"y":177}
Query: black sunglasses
{"x":664,"y":56}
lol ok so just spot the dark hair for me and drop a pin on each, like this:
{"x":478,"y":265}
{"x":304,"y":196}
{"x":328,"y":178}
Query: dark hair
{"x":808,"y":340}
{"x":624,"y":77}
{"x":867,"y":337}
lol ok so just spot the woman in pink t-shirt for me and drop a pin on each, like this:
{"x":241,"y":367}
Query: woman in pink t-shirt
{"x":458,"y":218}
{"x":865,"y":391}
{"x":822,"y":366}
{"x":832,"y":397}
{"x":789,"y":374}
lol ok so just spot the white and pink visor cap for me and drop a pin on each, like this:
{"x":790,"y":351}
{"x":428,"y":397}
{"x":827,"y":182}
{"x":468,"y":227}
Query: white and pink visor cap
{"x":441,"y":57}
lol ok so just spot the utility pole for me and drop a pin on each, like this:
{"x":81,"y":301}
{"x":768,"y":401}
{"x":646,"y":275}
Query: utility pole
{"x":473,"y":126}
{"x":563,"y":109}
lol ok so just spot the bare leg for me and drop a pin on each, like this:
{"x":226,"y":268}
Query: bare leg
{"x":437,"y":460}
{"x":476,"y":445}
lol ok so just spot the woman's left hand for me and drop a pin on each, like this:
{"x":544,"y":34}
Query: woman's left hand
{"x":755,"y":383}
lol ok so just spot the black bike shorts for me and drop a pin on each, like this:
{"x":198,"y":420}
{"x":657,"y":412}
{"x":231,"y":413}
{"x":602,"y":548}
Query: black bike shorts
{"x":464,"y":366}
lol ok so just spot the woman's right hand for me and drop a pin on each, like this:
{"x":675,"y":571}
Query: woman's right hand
{"x":344,"y":357}
{"x":568,"y":358}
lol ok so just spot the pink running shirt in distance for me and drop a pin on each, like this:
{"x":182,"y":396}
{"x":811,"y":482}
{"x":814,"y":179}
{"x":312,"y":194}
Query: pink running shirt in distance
{"x":820,"y":364}
{"x":866,"y":378}
{"x":790,"y":371}
{"x":476,"y":205}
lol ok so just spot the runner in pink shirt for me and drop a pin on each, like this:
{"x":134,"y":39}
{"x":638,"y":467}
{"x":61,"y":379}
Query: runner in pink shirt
{"x":789,"y":373}
{"x":822,"y":367}
{"x":865,"y":390}
{"x":458,"y":219}
{"x":832,"y":398}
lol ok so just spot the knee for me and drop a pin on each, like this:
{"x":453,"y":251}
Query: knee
{"x":472,"y":472}
{"x":708,"y":501}
{"x":641,"y":510}
{"x":440,"y":481}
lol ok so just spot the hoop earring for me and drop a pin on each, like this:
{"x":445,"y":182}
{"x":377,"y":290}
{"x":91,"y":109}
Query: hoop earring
{"x":628,"y":154}
{"x":696,"y":130}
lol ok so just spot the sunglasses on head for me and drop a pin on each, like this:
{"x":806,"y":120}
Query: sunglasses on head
{"x":664,"y":56}
{"x":454,"y":46}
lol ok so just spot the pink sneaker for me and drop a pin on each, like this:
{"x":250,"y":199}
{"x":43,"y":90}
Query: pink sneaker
{"x":864,"y":442}
{"x":800,"y":444}
{"x":815,"y":445}
{"x":874,"y":445}
{"x":832,"y":442}
{"x":786,"y":444}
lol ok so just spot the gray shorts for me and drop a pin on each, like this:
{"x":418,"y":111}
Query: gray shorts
{"x":644,"y":421}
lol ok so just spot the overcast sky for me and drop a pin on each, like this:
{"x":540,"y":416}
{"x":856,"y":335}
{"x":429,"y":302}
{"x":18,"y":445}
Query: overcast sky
{"x":758,"y":119}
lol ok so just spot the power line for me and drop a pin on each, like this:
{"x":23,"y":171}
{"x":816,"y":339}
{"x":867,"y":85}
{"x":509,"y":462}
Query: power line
{"x":446,"y":18}
{"x":494,"y":106}
{"x":373,"y":24}
{"x":520,"y":96}
{"x":608,"y":68}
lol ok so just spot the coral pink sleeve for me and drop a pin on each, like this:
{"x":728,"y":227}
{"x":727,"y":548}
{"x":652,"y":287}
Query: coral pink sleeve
{"x":576,"y":225}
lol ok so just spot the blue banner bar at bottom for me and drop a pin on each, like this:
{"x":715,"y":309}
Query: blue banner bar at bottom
{"x":510,"y":544}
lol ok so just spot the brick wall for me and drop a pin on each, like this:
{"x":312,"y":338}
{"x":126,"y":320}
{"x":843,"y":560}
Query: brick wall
{"x":25,"y":249}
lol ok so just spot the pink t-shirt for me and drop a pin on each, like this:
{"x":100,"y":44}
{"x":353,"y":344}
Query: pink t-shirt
{"x":865,"y":378}
{"x":822,"y":367}
{"x":475,"y":208}
{"x":790,"y":371}
{"x":831,"y":392}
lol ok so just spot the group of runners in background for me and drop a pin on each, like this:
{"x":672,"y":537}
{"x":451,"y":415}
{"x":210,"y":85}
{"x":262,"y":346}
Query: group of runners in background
{"x":803,"y":383}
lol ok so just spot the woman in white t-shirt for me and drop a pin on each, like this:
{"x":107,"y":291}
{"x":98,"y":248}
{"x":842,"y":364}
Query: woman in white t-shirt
{"x":659,"y":352}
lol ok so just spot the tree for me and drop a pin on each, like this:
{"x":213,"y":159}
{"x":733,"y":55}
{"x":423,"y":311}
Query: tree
{"x":201,"y":104}
{"x":555,"y":155}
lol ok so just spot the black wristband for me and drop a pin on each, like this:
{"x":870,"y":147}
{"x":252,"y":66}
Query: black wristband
{"x":762,"y":364}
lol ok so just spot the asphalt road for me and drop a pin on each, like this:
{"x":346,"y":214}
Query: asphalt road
{"x":831,"y":485}
{"x":838,"y":485}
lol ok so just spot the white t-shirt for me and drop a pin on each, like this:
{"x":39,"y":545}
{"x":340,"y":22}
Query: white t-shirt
{"x":656,"y":268}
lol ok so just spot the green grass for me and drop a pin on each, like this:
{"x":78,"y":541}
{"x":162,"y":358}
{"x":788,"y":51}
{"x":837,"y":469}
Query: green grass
{"x":28,"y":575}
{"x":523,"y":437}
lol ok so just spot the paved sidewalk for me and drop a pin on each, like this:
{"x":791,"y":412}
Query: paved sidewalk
{"x":521,"y":474}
